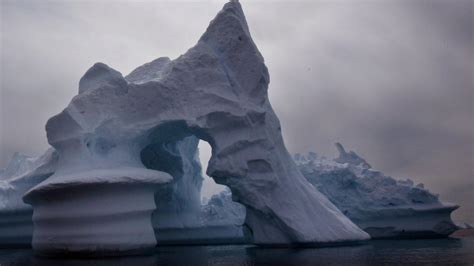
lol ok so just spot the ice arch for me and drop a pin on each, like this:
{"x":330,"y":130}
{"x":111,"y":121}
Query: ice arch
{"x":178,"y":205}
{"x":216,"y":91}
{"x":180,"y":218}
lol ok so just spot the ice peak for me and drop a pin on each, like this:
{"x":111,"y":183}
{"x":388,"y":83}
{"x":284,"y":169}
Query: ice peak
{"x":350,"y":157}
{"x":229,"y":38}
{"x":99,"y":75}
{"x":340,"y":149}
{"x":227,"y":27}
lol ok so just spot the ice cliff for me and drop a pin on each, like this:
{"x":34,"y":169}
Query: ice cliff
{"x":118,"y":137}
{"x":20,"y":175}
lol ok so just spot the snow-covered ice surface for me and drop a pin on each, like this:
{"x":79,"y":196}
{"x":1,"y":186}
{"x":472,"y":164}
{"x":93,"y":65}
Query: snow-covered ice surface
{"x":21,"y":174}
{"x":216,"y":91}
{"x":381,"y":205}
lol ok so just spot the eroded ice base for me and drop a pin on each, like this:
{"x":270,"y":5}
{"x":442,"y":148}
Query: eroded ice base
{"x":96,"y":213}
{"x":95,"y":220}
{"x":411,"y":223}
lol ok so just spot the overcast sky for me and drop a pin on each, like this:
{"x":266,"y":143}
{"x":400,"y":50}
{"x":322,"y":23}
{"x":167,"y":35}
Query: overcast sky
{"x":391,"y":80}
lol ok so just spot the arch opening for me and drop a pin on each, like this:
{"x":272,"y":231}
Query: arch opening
{"x":193,"y":209}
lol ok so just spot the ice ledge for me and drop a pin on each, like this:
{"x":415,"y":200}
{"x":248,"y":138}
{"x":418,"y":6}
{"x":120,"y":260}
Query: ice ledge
{"x":119,"y":175}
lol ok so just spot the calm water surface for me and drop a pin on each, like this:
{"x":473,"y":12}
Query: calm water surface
{"x":376,"y":252}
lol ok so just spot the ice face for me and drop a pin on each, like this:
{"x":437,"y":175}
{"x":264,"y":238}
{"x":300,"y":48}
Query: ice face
{"x":217,"y":92}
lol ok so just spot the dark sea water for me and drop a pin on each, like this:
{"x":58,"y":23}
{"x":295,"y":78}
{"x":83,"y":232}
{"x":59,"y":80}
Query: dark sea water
{"x":375,"y":252}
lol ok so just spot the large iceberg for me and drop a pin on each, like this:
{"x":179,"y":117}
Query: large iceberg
{"x":118,"y":137}
{"x":21,"y":174}
{"x":381,"y":205}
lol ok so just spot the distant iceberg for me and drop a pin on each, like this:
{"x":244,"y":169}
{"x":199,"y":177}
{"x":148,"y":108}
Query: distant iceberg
{"x":21,"y":174}
{"x":381,"y":205}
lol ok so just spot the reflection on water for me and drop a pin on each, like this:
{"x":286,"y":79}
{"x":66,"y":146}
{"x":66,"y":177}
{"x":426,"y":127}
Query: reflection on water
{"x":433,"y":252}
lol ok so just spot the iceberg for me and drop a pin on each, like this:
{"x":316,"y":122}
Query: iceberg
{"x":381,"y":205}
{"x":21,"y":174}
{"x":119,"y":137}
